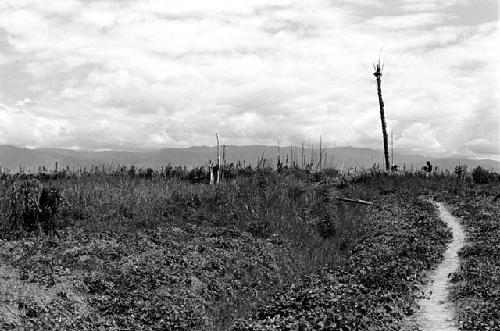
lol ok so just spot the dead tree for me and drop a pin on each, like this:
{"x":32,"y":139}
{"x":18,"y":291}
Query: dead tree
{"x":320,"y":154}
{"x":217,"y":178}
{"x":211,"y":170}
{"x":279,"y":165}
{"x":392,"y":149}
{"x":223,"y":162}
{"x":378,"y":74}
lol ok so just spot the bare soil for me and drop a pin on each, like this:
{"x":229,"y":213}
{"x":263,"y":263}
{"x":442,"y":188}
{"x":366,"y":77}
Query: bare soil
{"x":20,"y":299}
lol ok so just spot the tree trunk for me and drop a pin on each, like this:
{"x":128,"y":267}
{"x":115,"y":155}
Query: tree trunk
{"x":217,"y":176}
{"x":378,"y":74}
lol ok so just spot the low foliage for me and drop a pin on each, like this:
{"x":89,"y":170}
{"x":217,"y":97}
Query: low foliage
{"x":375,"y":288}
{"x":476,"y":292}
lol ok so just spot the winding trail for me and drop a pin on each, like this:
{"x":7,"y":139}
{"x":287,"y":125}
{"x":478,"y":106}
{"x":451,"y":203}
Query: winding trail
{"x":435,"y":311}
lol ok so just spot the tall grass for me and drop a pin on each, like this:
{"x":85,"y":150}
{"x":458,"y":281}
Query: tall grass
{"x":265,"y":204}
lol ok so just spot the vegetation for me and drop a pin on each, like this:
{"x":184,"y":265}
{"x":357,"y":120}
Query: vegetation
{"x":476,"y":293}
{"x":375,"y":288}
{"x":155,"y":250}
{"x":482,"y":176}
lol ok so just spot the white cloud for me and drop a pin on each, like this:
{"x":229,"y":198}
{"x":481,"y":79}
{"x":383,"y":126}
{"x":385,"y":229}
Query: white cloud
{"x":24,"y":102}
{"x":118,"y":74}
{"x":412,"y":21}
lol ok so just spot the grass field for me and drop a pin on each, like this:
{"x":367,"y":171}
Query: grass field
{"x":260,"y":251}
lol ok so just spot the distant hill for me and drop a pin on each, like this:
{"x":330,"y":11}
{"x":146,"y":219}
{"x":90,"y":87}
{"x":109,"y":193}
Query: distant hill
{"x":347,"y":157}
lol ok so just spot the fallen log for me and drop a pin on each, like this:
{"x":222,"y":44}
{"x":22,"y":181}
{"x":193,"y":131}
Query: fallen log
{"x":363,"y":202}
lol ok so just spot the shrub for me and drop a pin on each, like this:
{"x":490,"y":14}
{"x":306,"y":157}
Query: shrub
{"x":24,"y":206}
{"x":461,"y":171}
{"x":481,"y":175}
{"x":28,"y":208}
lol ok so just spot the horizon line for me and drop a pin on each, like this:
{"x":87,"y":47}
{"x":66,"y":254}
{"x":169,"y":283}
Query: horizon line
{"x":142,"y":150}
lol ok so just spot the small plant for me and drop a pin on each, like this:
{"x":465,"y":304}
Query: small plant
{"x":461,"y":172}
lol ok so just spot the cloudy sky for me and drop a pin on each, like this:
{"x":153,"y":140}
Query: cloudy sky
{"x":132,"y":74}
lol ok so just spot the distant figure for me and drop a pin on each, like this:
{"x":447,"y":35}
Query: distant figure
{"x":428,"y":167}
{"x":394,"y":167}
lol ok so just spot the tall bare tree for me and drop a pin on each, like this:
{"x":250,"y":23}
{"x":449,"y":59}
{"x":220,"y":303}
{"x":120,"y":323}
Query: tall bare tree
{"x":217,"y":178}
{"x":378,"y":74}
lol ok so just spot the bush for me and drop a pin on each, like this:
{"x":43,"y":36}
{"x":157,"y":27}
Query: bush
{"x":27,"y":207}
{"x":481,"y":175}
{"x":23,"y":208}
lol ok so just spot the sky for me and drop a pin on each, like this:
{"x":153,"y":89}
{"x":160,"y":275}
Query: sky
{"x":148,"y":74}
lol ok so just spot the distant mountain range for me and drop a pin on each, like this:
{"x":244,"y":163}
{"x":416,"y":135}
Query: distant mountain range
{"x":347,"y":157}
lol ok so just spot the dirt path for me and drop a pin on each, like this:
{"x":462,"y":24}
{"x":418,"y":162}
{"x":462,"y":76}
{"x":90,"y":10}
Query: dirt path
{"x":435,"y":310}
